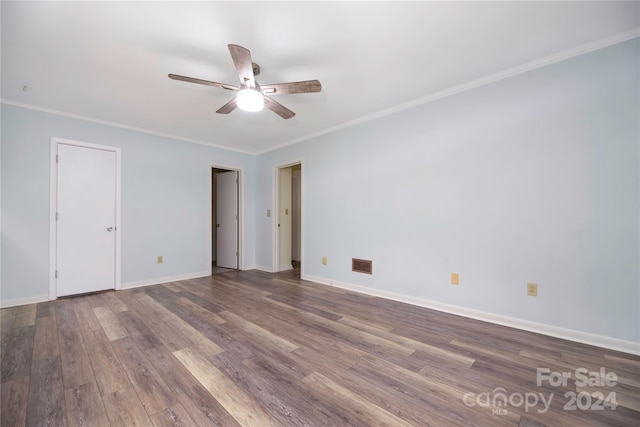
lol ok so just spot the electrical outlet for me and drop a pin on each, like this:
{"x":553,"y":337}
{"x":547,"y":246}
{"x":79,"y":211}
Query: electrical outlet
{"x":532,"y":289}
{"x":455,"y":279}
{"x":160,"y":260}
{"x":325,"y":261}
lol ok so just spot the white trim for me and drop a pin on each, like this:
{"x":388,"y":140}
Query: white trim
{"x":261,"y":268}
{"x":482,"y":81}
{"x":167,"y":279}
{"x":513,"y":71}
{"x":24,"y":301}
{"x":118,"y":125}
{"x":240,"y":212}
{"x":1,"y":234}
{"x":526,"y":325}
{"x":275,"y":244}
{"x":316,"y":279}
{"x":275,"y":248}
{"x":53,"y":204}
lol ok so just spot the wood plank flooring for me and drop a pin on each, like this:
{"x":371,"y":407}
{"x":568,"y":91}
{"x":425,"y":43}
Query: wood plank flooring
{"x":257,"y":349}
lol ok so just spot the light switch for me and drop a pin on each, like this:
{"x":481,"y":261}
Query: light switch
{"x":455,"y":279}
{"x":268,"y":213}
{"x":286,"y":211}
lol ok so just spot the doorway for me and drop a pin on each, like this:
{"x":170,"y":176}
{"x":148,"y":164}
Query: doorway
{"x":225,"y":224}
{"x":84,"y":218}
{"x":288,"y":221}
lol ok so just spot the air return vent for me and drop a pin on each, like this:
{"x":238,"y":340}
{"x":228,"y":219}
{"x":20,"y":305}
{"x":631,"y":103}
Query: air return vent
{"x":362,"y":265}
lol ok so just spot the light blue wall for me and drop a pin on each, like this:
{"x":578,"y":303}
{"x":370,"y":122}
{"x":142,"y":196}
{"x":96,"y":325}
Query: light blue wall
{"x":165,"y":200}
{"x":530,"y":179}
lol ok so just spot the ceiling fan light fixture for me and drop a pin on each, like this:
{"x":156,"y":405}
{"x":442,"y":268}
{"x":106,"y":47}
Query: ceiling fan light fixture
{"x":252,"y":96}
{"x":250,"y":100}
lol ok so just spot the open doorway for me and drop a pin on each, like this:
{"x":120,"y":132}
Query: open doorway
{"x":288,"y":233}
{"x":225,"y":220}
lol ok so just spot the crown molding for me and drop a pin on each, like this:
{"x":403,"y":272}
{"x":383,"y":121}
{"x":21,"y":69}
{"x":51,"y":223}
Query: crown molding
{"x":482,"y":81}
{"x":117,"y":125}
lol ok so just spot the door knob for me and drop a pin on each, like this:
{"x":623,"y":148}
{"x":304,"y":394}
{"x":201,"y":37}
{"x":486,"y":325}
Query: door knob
{"x":109,"y":228}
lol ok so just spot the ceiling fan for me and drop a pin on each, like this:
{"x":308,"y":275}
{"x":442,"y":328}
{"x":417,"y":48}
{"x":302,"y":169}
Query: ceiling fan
{"x":251,"y":95}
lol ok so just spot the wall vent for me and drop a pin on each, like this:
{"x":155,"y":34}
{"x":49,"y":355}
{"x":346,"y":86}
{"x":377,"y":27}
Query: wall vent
{"x":362,"y":265}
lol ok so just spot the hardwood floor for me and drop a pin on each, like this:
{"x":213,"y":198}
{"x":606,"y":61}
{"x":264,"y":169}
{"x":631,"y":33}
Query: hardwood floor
{"x":257,"y":349}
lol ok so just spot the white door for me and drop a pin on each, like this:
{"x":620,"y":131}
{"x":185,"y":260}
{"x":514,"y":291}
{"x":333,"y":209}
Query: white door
{"x":284,"y":219}
{"x":86,"y":220}
{"x":227,"y":219}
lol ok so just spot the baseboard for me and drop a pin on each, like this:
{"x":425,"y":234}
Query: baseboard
{"x":526,"y":325}
{"x":167,"y":279}
{"x":24,"y":301}
{"x":317,"y":279}
{"x":263,"y":268}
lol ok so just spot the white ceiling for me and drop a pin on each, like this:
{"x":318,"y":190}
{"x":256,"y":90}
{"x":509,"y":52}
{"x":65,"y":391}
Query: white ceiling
{"x":108,"y":61}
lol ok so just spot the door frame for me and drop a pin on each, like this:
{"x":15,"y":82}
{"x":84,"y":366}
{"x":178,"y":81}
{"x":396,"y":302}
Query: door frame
{"x":240,"y":213}
{"x":53,"y":207}
{"x":275,"y":248}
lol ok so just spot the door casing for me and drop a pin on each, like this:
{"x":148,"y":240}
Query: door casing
{"x":275,"y":250}
{"x":284,"y":216}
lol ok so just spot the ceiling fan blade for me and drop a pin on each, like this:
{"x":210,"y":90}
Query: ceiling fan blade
{"x":278,"y":108}
{"x":306,"y":86}
{"x":228,"y":107}
{"x":242,"y":60}
{"x":202,"y":82}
